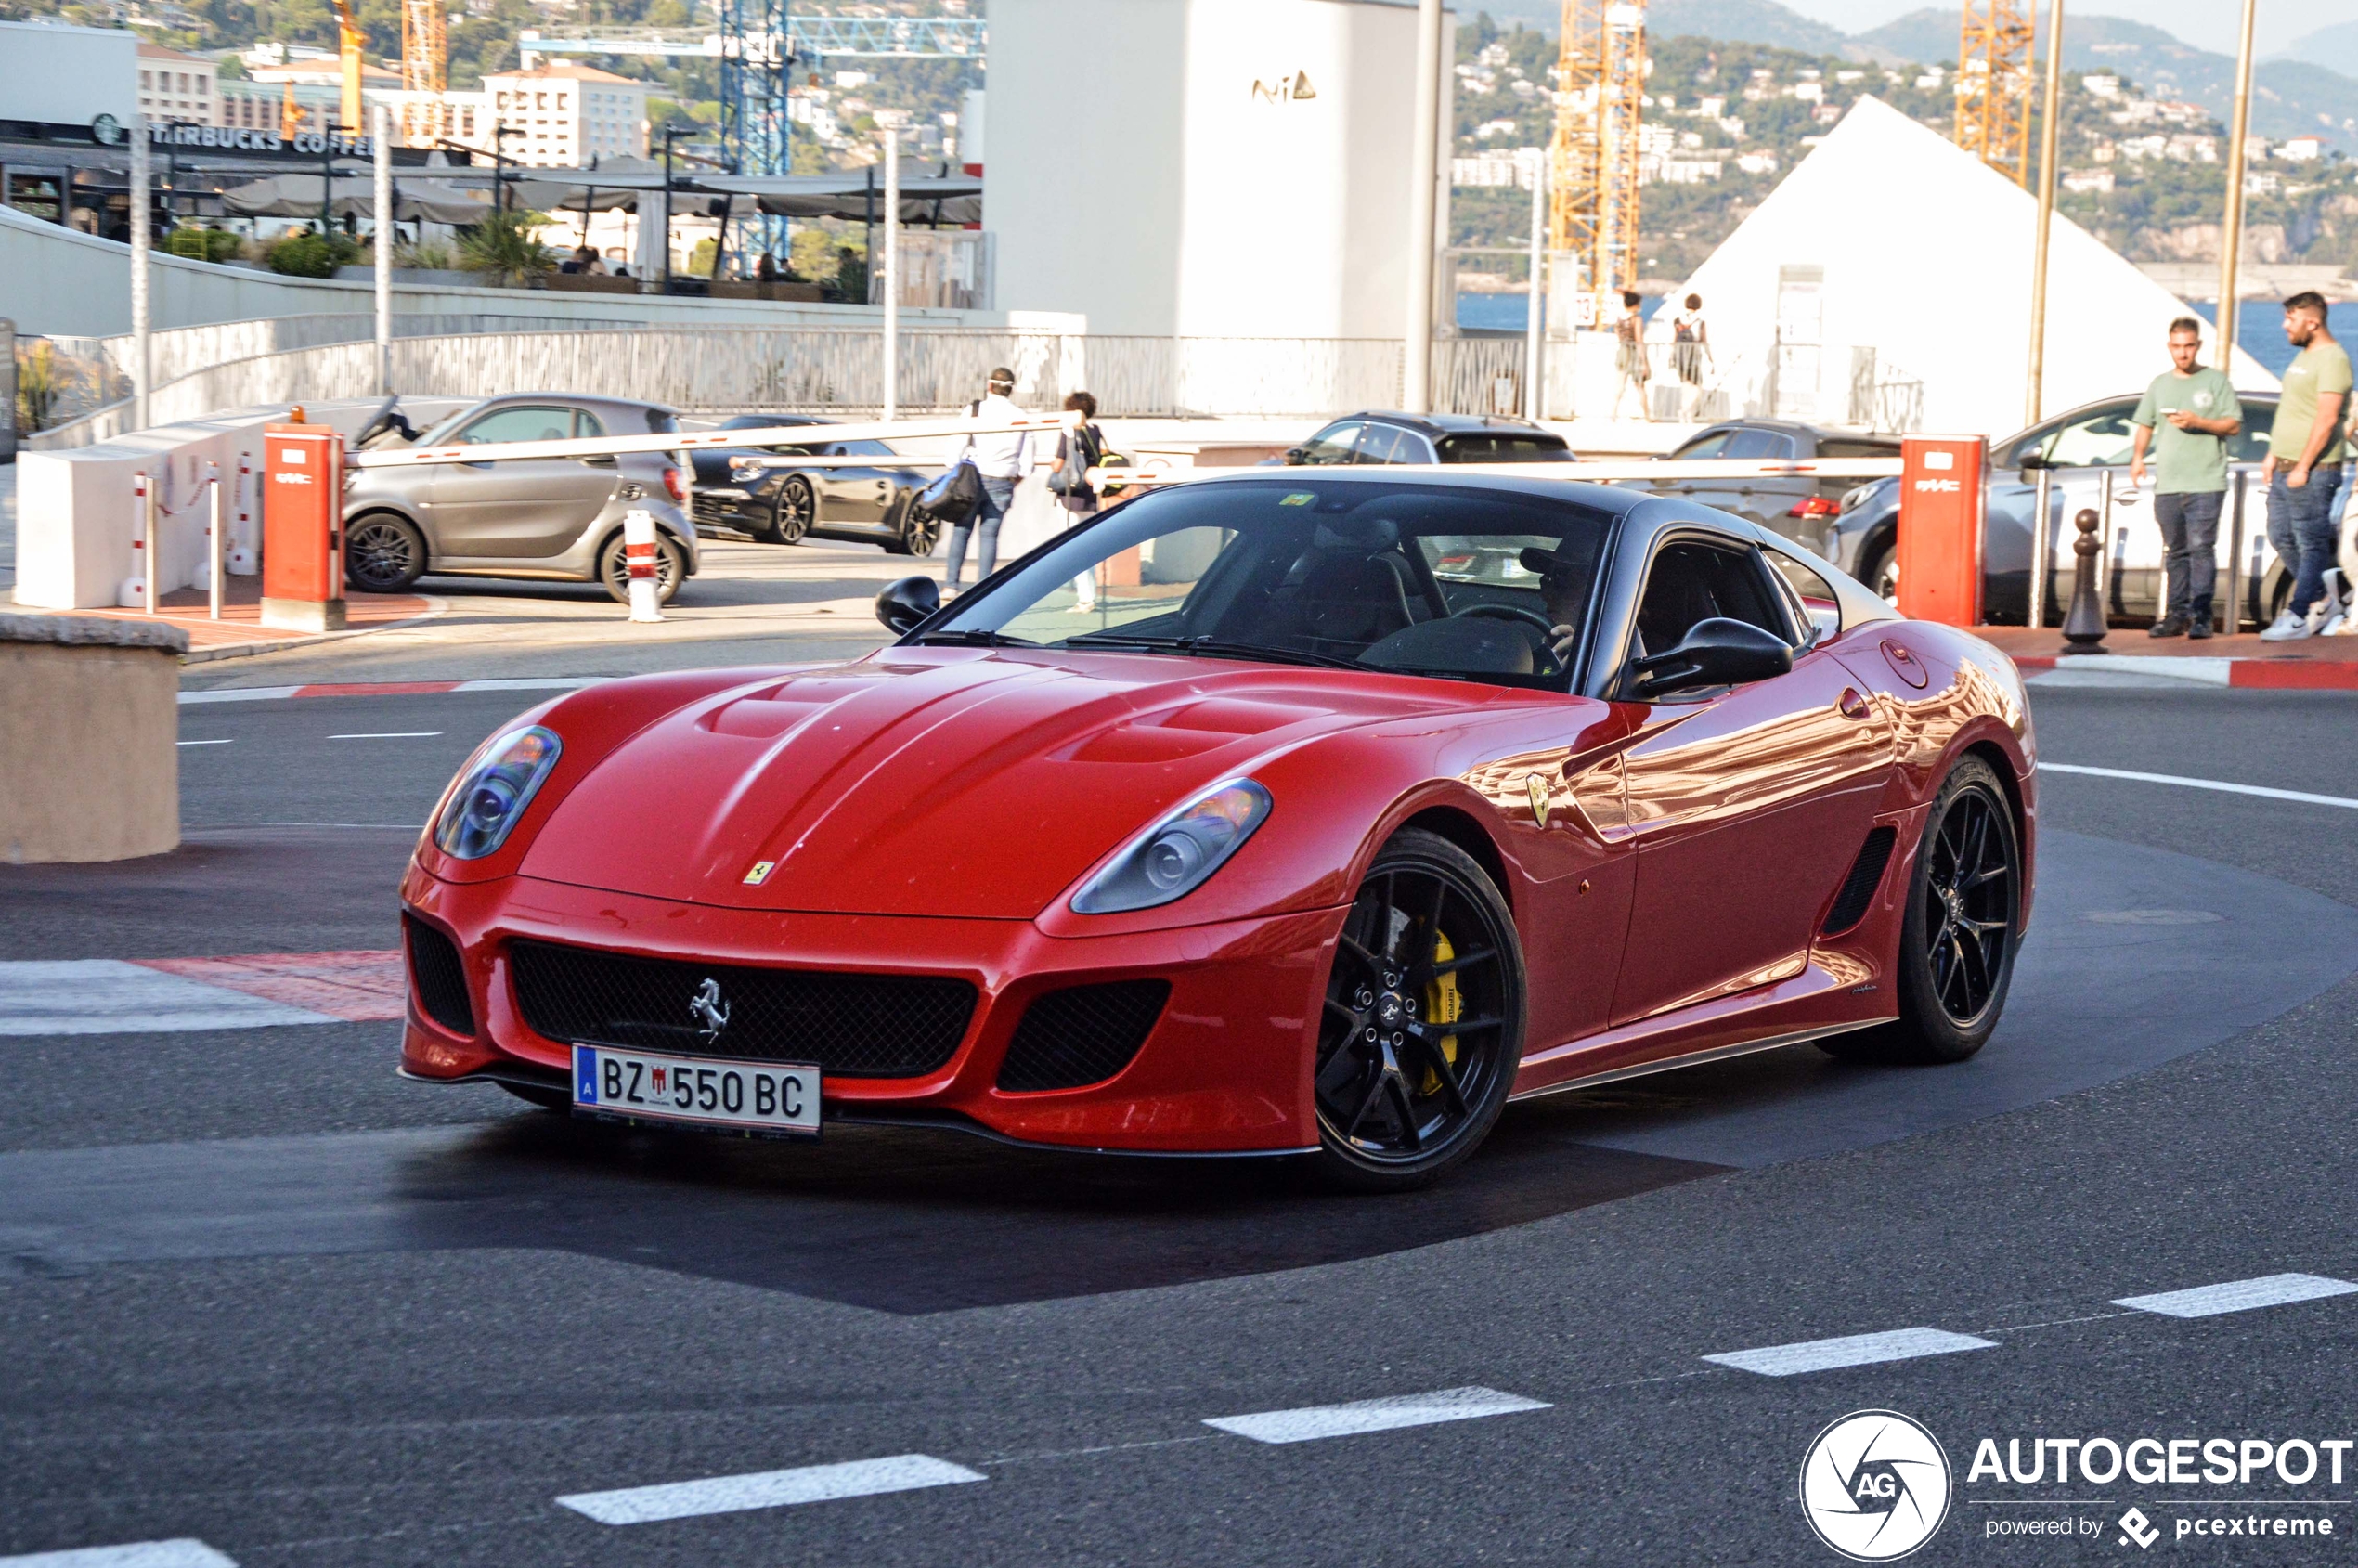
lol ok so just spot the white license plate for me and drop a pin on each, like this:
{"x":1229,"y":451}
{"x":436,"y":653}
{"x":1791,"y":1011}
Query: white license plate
{"x":766,"y":1097}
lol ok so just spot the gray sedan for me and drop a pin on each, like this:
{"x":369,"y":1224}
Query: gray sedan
{"x":549,"y":518}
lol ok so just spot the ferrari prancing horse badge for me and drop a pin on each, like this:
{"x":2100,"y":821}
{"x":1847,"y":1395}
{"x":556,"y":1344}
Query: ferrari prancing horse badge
{"x":1538,"y":788}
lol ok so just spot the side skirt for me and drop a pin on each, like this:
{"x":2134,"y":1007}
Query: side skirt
{"x":1694,"y":1058}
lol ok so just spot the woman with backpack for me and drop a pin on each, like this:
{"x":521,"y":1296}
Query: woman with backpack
{"x":1076,"y":453}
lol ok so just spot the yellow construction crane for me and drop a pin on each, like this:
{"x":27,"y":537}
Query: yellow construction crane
{"x":350,"y":42}
{"x":425,"y":54}
{"x":1600,"y":75}
{"x":1993,"y":85}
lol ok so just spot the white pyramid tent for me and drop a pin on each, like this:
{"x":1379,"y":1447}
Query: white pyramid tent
{"x":1886,"y":280}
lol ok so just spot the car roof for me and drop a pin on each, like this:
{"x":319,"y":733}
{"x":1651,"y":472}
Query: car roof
{"x":1795,"y":427}
{"x":1451,"y":424}
{"x":773,"y":422}
{"x":1604,"y":497}
{"x":574,"y":400}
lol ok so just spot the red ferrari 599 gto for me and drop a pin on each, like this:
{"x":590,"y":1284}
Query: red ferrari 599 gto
{"x":1344,"y":808}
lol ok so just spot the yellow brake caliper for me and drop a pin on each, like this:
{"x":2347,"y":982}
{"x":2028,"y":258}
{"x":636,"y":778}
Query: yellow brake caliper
{"x":1444,"y":1005}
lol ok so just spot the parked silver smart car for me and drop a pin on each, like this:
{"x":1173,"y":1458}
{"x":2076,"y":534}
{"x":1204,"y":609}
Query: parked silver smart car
{"x":550,"y":518}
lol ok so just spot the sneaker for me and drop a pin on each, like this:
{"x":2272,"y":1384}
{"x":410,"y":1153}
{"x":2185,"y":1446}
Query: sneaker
{"x":2288,"y":628}
{"x":2170,"y":626}
{"x":2200,"y":632}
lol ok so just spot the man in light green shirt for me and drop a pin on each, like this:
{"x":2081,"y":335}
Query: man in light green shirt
{"x":2187,"y":414}
{"x":2304,"y":465}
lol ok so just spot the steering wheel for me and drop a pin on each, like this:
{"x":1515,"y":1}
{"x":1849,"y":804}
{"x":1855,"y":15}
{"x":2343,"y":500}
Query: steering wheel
{"x":1546,"y":628}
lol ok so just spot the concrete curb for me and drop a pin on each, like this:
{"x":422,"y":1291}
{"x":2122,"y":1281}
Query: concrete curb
{"x":390,"y":689}
{"x":2247,"y":674}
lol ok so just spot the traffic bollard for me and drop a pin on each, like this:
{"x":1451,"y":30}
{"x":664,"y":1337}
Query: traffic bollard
{"x":2083,"y":629}
{"x":131,"y":592}
{"x":241,"y":552}
{"x":213,"y":555}
{"x":639,"y":552}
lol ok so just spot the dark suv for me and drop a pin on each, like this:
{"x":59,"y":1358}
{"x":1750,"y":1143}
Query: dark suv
{"x":1383,"y":436}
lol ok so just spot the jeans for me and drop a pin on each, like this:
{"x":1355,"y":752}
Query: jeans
{"x":2301,"y":527}
{"x":997,"y":496}
{"x":2190,"y":547}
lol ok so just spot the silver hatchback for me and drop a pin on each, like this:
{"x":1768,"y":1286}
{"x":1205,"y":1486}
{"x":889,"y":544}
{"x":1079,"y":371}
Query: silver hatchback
{"x":549,"y":518}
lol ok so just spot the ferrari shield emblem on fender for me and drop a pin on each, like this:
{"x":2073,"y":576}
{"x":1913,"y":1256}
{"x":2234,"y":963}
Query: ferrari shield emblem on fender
{"x":1538,"y":788}
{"x":760,"y":873}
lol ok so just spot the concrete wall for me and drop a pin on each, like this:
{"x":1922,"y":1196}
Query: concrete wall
{"x":58,"y":281}
{"x":88,"y":767}
{"x":1154,"y":166}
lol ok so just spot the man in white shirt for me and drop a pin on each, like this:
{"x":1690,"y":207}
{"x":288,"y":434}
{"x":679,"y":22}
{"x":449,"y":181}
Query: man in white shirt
{"x":1000,"y":460}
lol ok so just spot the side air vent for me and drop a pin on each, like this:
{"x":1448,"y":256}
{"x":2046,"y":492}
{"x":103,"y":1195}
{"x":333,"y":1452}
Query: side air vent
{"x":440,"y":977}
{"x":1859,"y":888}
{"x":1083,"y":1034}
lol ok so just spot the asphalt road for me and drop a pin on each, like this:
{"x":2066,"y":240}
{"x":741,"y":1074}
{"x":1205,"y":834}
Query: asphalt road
{"x":261,"y":1295}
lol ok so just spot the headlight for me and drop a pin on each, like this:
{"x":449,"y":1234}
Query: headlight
{"x":493,"y":791}
{"x":1173,"y":857}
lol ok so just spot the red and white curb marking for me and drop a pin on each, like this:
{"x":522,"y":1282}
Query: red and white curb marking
{"x":2246,"y":675}
{"x":159,"y":995}
{"x":390,"y":689}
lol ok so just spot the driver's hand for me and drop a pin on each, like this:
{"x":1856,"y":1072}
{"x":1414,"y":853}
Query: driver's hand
{"x":1560,"y":639}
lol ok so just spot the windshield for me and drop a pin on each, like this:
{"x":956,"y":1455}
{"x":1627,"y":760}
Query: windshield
{"x":1476,"y":584}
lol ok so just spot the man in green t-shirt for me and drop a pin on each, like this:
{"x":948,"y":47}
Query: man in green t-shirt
{"x":2187,"y":414}
{"x":2304,"y":465}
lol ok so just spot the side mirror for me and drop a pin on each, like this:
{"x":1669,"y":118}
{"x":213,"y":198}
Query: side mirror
{"x":2032,"y":462}
{"x":1297,"y":456}
{"x":1716,"y":652}
{"x":906,"y":604}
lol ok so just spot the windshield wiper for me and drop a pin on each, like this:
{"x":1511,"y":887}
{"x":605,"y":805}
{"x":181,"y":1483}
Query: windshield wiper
{"x":1212,"y":647}
{"x":973,"y":636}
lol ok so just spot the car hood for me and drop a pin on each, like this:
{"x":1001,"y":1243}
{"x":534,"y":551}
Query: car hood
{"x":934,"y":782}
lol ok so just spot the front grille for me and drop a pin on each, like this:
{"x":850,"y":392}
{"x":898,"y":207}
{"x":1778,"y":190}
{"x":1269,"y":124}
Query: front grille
{"x":1859,"y":888}
{"x":857,"y":1026}
{"x":1083,"y":1034}
{"x":722,"y":508}
{"x":439,"y":976}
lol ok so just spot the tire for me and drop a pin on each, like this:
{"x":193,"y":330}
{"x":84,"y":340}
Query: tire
{"x":1399,"y":1100}
{"x":1882,"y":575}
{"x":384,"y":552}
{"x":1956,"y":952}
{"x":918,"y":533}
{"x":546,"y":1099}
{"x":671,"y":568}
{"x":793,"y":512}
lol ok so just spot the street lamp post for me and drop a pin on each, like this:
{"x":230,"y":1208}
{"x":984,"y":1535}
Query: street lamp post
{"x":1424,"y":174}
{"x":499,"y":134}
{"x":2231,"y":234}
{"x":2047,"y":134}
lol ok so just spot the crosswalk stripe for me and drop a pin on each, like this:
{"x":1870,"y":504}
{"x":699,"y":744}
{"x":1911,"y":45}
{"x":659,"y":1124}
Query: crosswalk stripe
{"x":1374,"y":1415}
{"x":772,"y":1488}
{"x":185,"y":1554}
{"x":1850,"y":1350}
{"x":2240,"y":1295}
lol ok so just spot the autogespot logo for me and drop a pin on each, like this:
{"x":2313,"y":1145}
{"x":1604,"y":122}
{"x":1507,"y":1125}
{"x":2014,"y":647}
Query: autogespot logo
{"x":1875,"y":1485}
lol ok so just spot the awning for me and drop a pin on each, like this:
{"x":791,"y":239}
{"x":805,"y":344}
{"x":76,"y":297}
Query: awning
{"x":298,"y":195}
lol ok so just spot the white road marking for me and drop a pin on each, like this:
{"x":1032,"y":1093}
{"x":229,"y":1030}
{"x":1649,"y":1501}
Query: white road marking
{"x":2240,"y":1295}
{"x":201,"y":743}
{"x":240,"y":694}
{"x":391,"y":735}
{"x":559,"y":683}
{"x":186,"y":1553}
{"x":1374,"y":1415}
{"x":1851,"y":1350}
{"x":109,"y":996}
{"x":2303,"y":797}
{"x":773,"y":1488}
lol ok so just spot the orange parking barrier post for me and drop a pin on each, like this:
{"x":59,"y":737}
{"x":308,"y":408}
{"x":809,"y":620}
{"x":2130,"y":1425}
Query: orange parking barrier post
{"x":301,"y":527}
{"x":1941,"y":497}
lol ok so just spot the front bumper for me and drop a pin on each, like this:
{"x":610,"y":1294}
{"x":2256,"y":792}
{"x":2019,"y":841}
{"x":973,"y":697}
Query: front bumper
{"x":1225,"y":1070}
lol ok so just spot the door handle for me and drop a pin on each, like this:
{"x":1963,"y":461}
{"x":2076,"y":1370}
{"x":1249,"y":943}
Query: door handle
{"x":1852,"y":704}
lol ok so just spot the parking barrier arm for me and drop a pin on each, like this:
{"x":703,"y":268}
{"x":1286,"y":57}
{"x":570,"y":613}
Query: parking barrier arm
{"x":1581,"y":471}
{"x":691,"y":441}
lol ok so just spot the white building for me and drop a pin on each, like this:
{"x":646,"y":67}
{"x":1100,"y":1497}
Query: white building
{"x":68,"y":75}
{"x":569,"y":114}
{"x":1207,"y":168}
{"x":1934,"y":293}
{"x":176,"y":87}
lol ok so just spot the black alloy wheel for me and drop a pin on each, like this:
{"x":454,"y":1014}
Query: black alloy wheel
{"x":382,"y":553}
{"x":1958,"y":940}
{"x":920,"y":530}
{"x":1423,"y":1021}
{"x":796,"y":512}
{"x":613,"y":569}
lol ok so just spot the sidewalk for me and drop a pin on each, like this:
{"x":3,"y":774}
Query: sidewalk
{"x":239,"y":630}
{"x":2316,"y":664}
